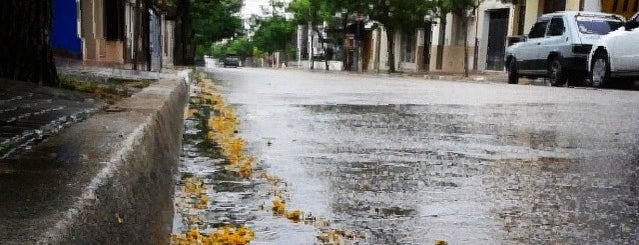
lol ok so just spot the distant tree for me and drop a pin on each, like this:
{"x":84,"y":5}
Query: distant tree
{"x":241,"y":47}
{"x":275,"y":7}
{"x":25,"y":53}
{"x":310,"y":12}
{"x":460,"y":9}
{"x":218,"y":50}
{"x":200,"y":23}
{"x":273,"y":34}
{"x":396,"y":15}
{"x":317,"y":12}
{"x":184,"y":48}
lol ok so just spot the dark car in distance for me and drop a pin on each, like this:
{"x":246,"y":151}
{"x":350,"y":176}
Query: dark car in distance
{"x":231,"y":61}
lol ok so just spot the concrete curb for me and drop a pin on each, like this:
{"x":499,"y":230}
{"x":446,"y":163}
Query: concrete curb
{"x":107,"y":180}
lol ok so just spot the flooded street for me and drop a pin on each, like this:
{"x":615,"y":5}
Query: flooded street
{"x":392,"y":160}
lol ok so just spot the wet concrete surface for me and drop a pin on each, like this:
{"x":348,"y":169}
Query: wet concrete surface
{"x":105,"y":180}
{"x":408,"y":161}
{"x":29,"y":113}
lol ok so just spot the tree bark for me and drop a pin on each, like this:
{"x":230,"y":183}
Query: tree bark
{"x":321,"y":39}
{"x":439,"y":62}
{"x":465,"y":30}
{"x":311,"y":53}
{"x":183,"y":50}
{"x":136,"y":34}
{"x":344,"y":32}
{"x":390,"y":35}
{"x":25,"y":53}
{"x":146,"y":32}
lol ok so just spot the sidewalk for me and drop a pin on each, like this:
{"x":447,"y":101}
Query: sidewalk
{"x":30,"y":113}
{"x":477,"y":76}
{"x":474,"y":76}
{"x":74,"y":172}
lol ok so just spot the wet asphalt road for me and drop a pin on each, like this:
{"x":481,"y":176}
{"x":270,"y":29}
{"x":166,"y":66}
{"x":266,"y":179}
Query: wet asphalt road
{"x":408,"y":161}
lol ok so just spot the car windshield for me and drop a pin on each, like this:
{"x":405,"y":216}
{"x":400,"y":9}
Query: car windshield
{"x":597,"y":26}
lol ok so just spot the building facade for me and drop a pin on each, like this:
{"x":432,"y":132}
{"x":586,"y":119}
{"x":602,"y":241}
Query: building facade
{"x":65,"y":38}
{"x":103,"y":32}
{"x":481,"y":34}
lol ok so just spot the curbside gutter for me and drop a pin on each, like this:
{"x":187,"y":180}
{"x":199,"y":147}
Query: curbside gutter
{"x":106,"y":180}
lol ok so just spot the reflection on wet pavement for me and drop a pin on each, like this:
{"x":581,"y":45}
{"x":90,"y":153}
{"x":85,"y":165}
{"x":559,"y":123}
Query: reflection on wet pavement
{"x":30,"y":113}
{"x":209,"y":205}
{"x":216,"y":183}
{"x":493,"y":165}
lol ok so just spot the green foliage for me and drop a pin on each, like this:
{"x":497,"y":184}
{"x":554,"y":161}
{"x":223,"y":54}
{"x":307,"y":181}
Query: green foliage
{"x":305,"y":10}
{"x":240,"y":46}
{"x":301,"y":10}
{"x":214,"y":20}
{"x":257,"y":52}
{"x":399,"y":14}
{"x":218,"y":50}
{"x":456,"y":6}
{"x":273,"y":34}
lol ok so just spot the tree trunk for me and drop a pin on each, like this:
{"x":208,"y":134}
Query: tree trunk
{"x":465,"y":30}
{"x":25,"y":53}
{"x":183,"y":49}
{"x":344,"y":32}
{"x":390,"y":35}
{"x":136,"y":34}
{"x":311,"y":53}
{"x":321,"y":39}
{"x":146,"y":32}
{"x":313,"y":24}
{"x":439,"y":62}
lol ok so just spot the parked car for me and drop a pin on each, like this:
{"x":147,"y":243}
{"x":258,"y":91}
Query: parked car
{"x":232,"y":61}
{"x":616,"y":55}
{"x":558,"y":45}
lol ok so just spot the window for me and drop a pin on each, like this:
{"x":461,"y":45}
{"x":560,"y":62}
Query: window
{"x":556,"y":27}
{"x":632,"y":23}
{"x":597,"y":26}
{"x":538,"y":30}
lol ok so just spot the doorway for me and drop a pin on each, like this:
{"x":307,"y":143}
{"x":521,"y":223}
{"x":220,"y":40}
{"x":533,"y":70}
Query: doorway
{"x":497,"y":31}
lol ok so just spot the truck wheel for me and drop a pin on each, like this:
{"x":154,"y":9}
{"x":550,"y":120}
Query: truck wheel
{"x":513,"y":76}
{"x":600,"y":74}
{"x":556,"y":74}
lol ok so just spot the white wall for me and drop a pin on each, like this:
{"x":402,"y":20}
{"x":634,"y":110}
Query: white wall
{"x":592,"y":5}
{"x":484,"y":25}
{"x":168,"y":42}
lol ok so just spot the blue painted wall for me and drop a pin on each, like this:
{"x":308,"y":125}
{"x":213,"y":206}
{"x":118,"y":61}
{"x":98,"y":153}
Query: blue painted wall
{"x":64,"y":29}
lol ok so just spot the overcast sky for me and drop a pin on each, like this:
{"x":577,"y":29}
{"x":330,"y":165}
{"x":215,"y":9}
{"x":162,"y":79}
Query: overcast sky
{"x":253,"y":7}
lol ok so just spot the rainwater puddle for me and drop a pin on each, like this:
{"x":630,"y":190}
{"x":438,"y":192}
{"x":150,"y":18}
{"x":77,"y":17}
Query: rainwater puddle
{"x":210,"y":196}
{"x":496,"y":172}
